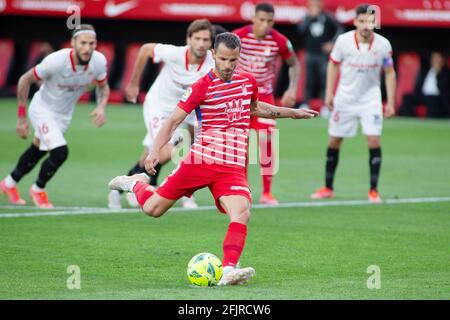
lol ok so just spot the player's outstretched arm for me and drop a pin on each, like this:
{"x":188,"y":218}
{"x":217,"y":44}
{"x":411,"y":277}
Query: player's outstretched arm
{"x":102,"y":92}
{"x":290,"y":95}
{"x":332,"y":73}
{"x":163,"y":137}
{"x":23,"y":89}
{"x":391,"y":84}
{"x":145,"y":53}
{"x":266,"y":110}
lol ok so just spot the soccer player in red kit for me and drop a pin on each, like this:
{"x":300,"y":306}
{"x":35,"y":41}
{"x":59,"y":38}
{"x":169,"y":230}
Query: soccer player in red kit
{"x":261,"y":47}
{"x":223,"y":101}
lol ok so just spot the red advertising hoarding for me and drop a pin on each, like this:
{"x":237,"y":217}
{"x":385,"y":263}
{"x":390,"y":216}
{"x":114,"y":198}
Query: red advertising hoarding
{"x":433,"y":13}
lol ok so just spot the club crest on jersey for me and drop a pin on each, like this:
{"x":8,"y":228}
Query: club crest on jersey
{"x":186,"y":94}
{"x":233,"y":110}
{"x":244,"y":89}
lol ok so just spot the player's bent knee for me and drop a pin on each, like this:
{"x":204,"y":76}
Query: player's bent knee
{"x":243,"y":216}
{"x":153,"y":210}
{"x":59,"y":155}
{"x":335,"y":143}
{"x":373,"y":143}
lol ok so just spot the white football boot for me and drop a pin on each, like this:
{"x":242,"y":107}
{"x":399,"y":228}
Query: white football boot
{"x":114,"y":200}
{"x":232,"y":276}
{"x":189,"y":203}
{"x":126,"y":183}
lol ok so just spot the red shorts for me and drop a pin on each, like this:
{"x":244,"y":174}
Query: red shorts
{"x":221,"y":181}
{"x":257,"y":123}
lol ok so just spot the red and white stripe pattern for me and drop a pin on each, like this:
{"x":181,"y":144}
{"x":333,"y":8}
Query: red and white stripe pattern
{"x":223,"y":112}
{"x":259,"y":56}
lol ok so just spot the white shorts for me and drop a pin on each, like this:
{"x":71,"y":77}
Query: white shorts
{"x":49,"y":127}
{"x":344,"y":123}
{"x":154,"y":117}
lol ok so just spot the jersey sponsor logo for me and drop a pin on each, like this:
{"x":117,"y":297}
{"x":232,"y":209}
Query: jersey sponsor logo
{"x":240,"y":188}
{"x":71,"y":87}
{"x":234,"y":109}
{"x":186,"y":94}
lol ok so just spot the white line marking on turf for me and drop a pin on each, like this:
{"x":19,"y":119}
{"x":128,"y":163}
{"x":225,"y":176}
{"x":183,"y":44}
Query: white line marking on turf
{"x":66,"y":211}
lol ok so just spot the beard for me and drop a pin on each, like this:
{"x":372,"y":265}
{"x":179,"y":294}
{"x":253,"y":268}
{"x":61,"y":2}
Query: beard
{"x":226,"y":74}
{"x":199,"y":56}
{"x":366,"y":33}
{"x":81,"y":61}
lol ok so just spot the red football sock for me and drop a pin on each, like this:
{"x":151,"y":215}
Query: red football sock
{"x":266,"y":162}
{"x":233,"y":244}
{"x":267,"y":183}
{"x":141,"y":192}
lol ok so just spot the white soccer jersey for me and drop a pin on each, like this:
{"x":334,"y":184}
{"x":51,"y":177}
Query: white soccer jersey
{"x":175,"y":76}
{"x":360,"y":67}
{"x":64,"y":82}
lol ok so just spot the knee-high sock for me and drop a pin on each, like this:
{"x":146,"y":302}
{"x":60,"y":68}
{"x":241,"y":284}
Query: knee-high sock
{"x":142,"y":192}
{"x":330,"y":167}
{"x":51,"y":165}
{"x":233,"y":244}
{"x":375,"y":166}
{"x":27,"y":162}
{"x":154,"y":178}
{"x":136,"y":169}
{"x":266,"y":163}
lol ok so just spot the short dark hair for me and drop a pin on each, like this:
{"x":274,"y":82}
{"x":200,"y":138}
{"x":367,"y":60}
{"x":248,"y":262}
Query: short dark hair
{"x":230,"y":40}
{"x":364,"y":9}
{"x":199,"y":25}
{"x":83,"y":27}
{"x":264,"y":6}
{"x":218,"y":29}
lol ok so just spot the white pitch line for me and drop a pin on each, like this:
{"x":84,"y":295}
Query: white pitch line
{"x":93,"y":210}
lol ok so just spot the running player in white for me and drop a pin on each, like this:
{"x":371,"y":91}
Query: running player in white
{"x":359,"y":55}
{"x":65,"y":74}
{"x":183,"y":65}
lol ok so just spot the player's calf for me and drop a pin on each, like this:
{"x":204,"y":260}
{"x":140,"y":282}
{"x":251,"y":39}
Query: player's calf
{"x":155,"y":206}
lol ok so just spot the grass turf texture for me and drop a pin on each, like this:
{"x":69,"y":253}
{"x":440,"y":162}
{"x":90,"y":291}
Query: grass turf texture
{"x":298,"y":253}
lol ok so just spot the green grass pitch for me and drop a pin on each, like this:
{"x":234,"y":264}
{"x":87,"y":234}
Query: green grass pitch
{"x":298,"y":252}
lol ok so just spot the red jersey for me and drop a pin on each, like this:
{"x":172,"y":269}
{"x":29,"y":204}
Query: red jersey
{"x":259,"y":56}
{"x":223,"y":112}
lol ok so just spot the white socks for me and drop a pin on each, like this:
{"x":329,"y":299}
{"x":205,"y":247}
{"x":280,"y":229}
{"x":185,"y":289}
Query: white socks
{"x":10,"y":182}
{"x":35,"y":188}
{"x":227,"y":269}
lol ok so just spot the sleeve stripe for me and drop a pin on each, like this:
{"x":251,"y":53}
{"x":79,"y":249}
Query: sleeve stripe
{"x":334,"y":61}
{"x":35,"y":74}
{"x":103,"y":79}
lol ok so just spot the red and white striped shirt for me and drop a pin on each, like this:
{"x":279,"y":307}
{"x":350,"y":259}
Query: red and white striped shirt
{"x":223,"y":112}
{"x":259,"y":56}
